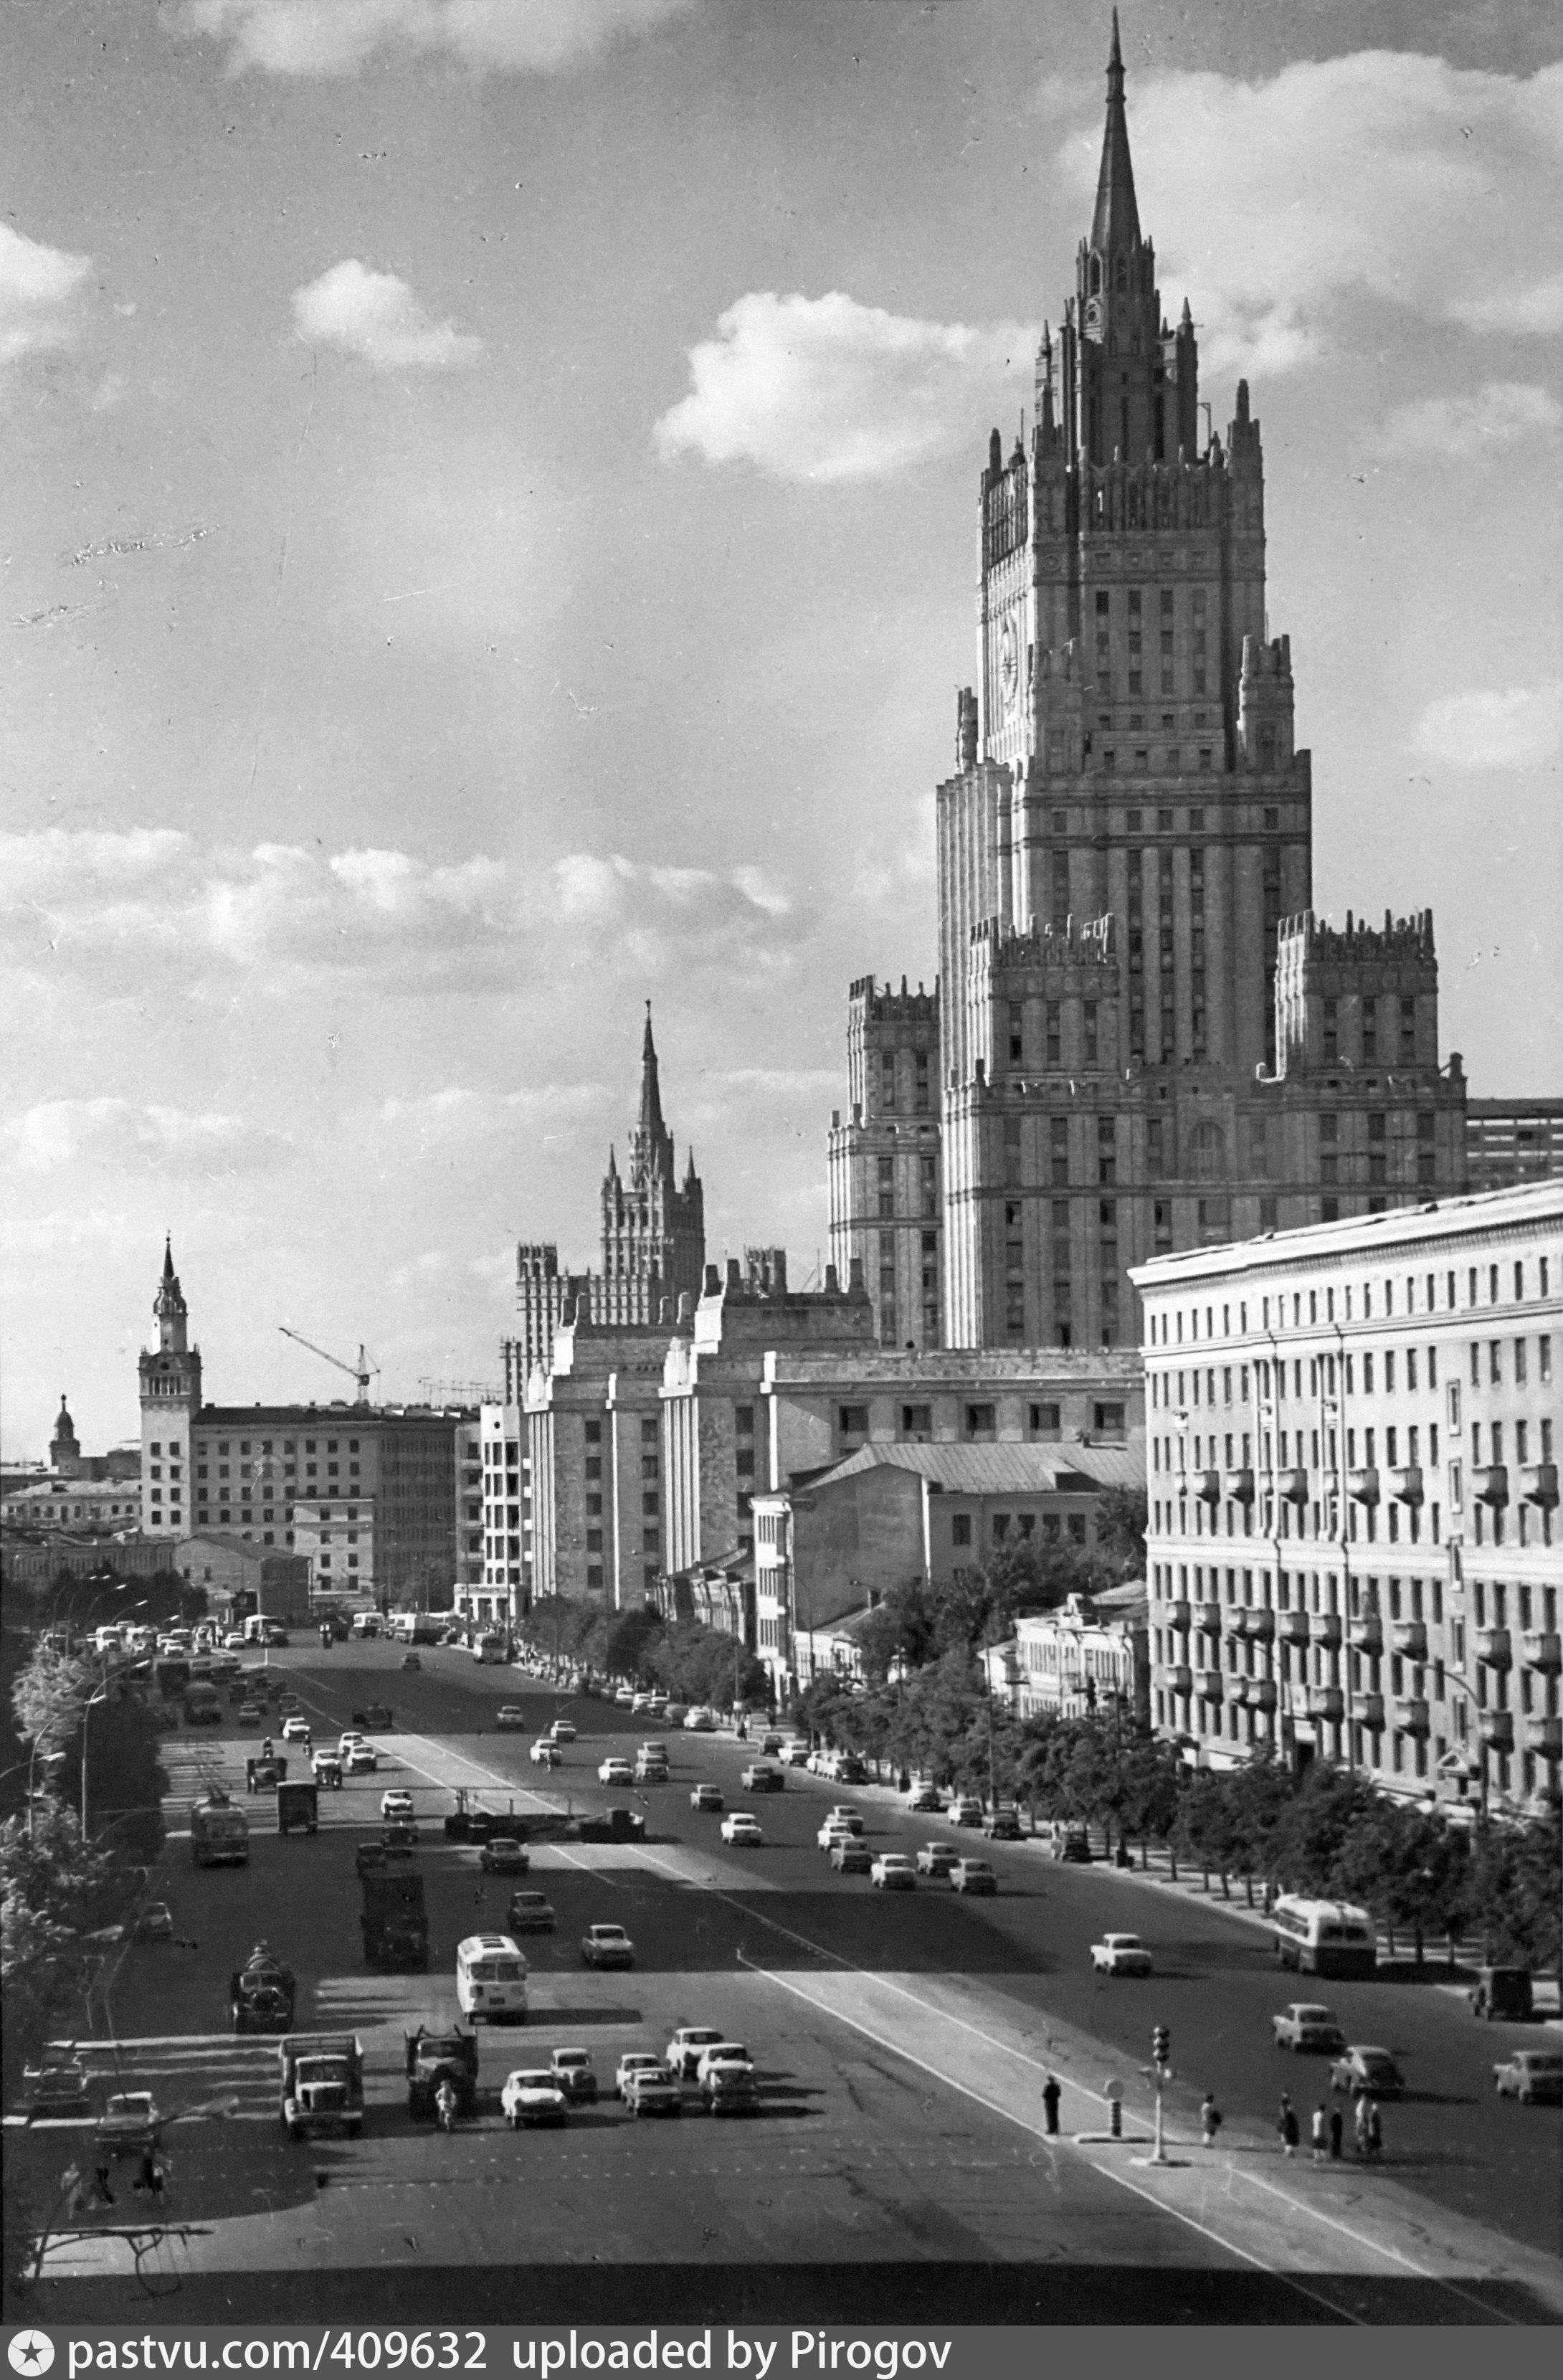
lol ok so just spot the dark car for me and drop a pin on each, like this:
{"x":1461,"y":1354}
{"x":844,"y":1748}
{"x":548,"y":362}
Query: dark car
{"x":1503,"y":1991}
{"x":503,"y":1855}
{"x":530,"y":1912}
{"x":1367,"y":2073}
{"x":1003,"y":1826}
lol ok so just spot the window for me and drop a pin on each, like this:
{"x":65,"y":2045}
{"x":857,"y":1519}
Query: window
{"x":916,"y":1421}
{"x":853,"y":1421}
{"x":1108,"y":1420}
{"x":980,"y":1421}
{"x":960,"y":1529}
{"x":1043,"y":1420}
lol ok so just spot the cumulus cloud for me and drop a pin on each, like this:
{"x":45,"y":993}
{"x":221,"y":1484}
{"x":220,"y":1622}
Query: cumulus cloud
{"x":1495,"y":727}
{"x":1467,"y":428}
{"x":121,"y":1134}
{"x":106,"y":905}
{"x":337,"y":37}
{"x":825,"y":389}
{"x":1382,"y":175}
{"x":376,"y":316}
{"x":40,"y":288}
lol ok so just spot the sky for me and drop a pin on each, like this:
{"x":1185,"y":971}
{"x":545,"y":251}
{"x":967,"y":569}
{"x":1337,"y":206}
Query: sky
{"x":487,"y":541}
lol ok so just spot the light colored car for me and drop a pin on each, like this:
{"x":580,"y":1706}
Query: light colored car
{"x":129,"y":2121}
{"x":721,"y":2053}
{"x":924,"y":1801}
{"x":510,"y":1715}
{"x":350,"y":1737}
{"x":892,"y":1872}
{"x":624,"y":1696}
{"x":397,"y":1804}
{"x":234,"y":1641}
{"x":849,"y":1856}
{"x":676,"y":1715}
{"x":937,"y":1859}
{"x":741,"y":1826}
{"x":575,"y":2075}
{"x":687,"y":2048}
{"x":546,"y":1754}
{"x":845,"y":1814}
{"x":530,"y":1912}
{"x":1305,"y":2024}
{"x":562,"y":1730}
{"x":763,"y":1777}
{"x":796,"y":1753}
{"x":1532,"y":2076}
{"x":699,"y":1723}
{"x":249,"y":1714}
{"x":613,"y":1771}
{"x":706,"y":1797}
{"x":531,"y":2096}
{"x":1121,"y":1954}
{"x":973,"y":1876}
{"x":964,"y":1811}
{"x":834,"y":1831}
{"x":296,"y":1729}
{"x":607,"y":1946}
{"x":652,"y":2091}
{"x":1367,"y":2072}
{"x":635,"y":2061}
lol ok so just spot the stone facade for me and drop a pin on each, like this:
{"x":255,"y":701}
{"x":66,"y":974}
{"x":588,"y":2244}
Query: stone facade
{"x":1513,"y":1140}
{"x":1125,"y":867}
{"x":1354,"y":1551}
{"x":887,"y":1205}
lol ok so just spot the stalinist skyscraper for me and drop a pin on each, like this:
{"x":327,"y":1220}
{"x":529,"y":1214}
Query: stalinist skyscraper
{"x":1145,"y":1039}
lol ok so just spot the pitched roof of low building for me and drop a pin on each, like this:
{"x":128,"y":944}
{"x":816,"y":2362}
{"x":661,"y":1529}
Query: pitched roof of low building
{"x":1050,"y":1467}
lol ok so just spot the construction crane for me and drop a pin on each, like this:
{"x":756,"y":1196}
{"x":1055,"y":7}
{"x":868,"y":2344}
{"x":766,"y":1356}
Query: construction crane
{"x":361,"y":1371}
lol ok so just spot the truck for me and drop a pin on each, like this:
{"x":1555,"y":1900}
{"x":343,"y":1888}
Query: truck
{"x":394,"y":1924}
{"x":261,"y":1775}
{"x":322,"y":2084}
{"x":366,"y":1623}
{"x":203,"y":1705}
{"x":299,"y":1807}
{"x":219,"y":1832}
{"x":171,"y":1675}
{"x":261,"y":1993}
{"x":611,"y":1826}
{"x":436,"y":2058}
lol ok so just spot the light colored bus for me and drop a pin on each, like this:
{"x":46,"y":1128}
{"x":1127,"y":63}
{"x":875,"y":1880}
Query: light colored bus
{"x":1324,"y":1938}
{"x":491,"y":1979}
{"x":490,"y":1646}
{"x":366,"y":1623}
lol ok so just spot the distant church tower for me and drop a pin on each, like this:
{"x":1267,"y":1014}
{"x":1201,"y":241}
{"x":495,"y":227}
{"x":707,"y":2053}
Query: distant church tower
{"x":65,"y":1453}
{"x":653,"y":1228}
{"x":170,"y":1380}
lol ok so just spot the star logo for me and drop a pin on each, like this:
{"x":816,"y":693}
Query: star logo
{"x":30,"y":2353}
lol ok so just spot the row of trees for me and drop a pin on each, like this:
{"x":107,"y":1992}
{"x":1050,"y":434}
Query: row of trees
{"x":694,"y":1664}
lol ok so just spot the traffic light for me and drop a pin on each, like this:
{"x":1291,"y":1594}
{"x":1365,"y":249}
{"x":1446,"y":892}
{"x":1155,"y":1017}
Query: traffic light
{"x":1161,"y":2044}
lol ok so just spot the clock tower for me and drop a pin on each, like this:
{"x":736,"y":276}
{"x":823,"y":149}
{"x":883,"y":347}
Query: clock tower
{"x":170,"y":1381}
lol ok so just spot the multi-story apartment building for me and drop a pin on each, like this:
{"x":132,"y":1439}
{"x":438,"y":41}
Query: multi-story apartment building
{"x":652,"y":1243}
{"x":593,"y":1449}
{"x":1089,"y":1658}
{"x":249,"y":1472}
{"x":1147,"y":1041}
{"x":501,"y":1592}
{"x":1512,"y":1140}
{"x":1355,"y":1553}
{"x":886,"y":1203}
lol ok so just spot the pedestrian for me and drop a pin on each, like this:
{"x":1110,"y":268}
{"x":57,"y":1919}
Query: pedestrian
{"x":1361,"y":2128}
{"x":1051,"y":2094}
{"x":1321,"y":2132}
{"x":1375,"y":2133}
{"x":1337,"y":2126}
{"x":1289,"y":2128}
{"x":1209,"y":2120}
{"x":100,"y":2184}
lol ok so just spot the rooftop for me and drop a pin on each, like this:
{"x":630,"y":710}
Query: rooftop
{"x":1064,"y":1468}
{"x":1521,"y":1205}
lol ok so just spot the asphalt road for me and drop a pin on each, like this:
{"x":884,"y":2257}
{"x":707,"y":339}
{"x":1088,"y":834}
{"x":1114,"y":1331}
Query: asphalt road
{"x":897,"y":2166}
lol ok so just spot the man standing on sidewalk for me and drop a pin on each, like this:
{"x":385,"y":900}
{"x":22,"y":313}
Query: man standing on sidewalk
{"x":1337,"y":2126}
{"x":1289,"y":2128}
{"x":1209,"y":2120}
{"x":1321,"y":2132}
{"x":1051,"y":2094}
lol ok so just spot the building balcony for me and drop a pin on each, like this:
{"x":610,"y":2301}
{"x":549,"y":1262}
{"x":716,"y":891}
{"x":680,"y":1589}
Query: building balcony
{"x":1414,"y":1718}
{"x":1362,"y":1486}
{"x":1240,"y":1487}
{"x":1206,"y":1487}
{"x":1542,"y":1651}
{"x":1262,"y":1693}
{"x":1259,"y":1624}
{"x":1490,"y":1485}
{"x":1292,"y":1627}
{"x":1179,"y":1680}
{"x":1538,"y":1484}
{"x":1326,"y":1701}
{"x":1366,"y":1633}
{"x":1410,"y":1639}
{"x":1407,"y":1484}
{"x":1237,"y":1691}
{"x":1546,"y":1738}
{"x":1498,"y":1730}
{"x":1176,"y":1615}
{"x":1495,"y":1648}
{"x":1325,"y":1628}
{"x":1291,"y":1487}
{"x":1207,"y":1619}
{"x":1370,"y":1711}
{"x":1211,"y":1686}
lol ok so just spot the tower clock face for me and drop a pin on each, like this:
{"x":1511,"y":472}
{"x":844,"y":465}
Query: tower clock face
{"x":1008,"y":665}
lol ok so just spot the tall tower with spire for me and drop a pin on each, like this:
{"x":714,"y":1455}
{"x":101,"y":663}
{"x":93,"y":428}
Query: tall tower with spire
{"x":171,"y":1398}
{"x":653,"y":1226}
{"x":65,"y":1447}
{"x":1125,"y":866}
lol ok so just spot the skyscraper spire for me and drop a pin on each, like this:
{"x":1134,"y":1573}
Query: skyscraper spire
{"x":168,"y":1273}
{"x":651,"y":1123}
{"x":1116,"y":225}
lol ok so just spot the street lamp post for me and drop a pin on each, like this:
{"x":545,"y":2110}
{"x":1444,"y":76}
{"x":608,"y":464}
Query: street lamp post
{"x":91,"y":1703}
